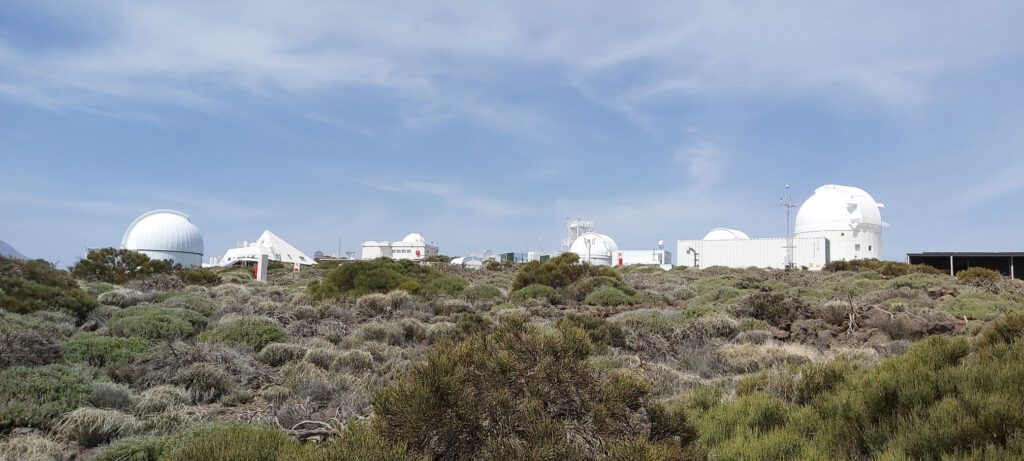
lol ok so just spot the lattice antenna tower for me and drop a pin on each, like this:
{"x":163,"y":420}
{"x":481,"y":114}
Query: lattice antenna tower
{"x":577,"y":227}
{"x":787,"y":203}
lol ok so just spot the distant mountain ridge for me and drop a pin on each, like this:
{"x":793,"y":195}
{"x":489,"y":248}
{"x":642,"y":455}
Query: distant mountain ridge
{"x":9,"y":251}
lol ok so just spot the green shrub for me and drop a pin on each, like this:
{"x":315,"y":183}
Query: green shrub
{"x":980,"y":305}
{"x":1004,"y":330}
{"x":91,"y":427}
{"x":200,"y":276}
{"x":156,"y":323}
{"x":449,"y":286}
{"x":29,"y":340}
{"x":111,"y":395}
{"x":124,"y":297}
{"x":29,"y":286}
{"x":34,"y":397}
{"x":542,"y":292}
{"x":609,"y":296}
{"x":601,"y":332}
{"x":138,"y":448}
{"x":357,"y":442}
{"x":205,"y":383}
{"x":380,"y":275}
{"x":100,"y":351}
{"x":641,"y":449}
{"x":230,"y":441}
{"x":200,"y":304}
{"x":558,"y":272}
{"x":978,"y":276}
{"x":277,"y":354}
{"x":115,"y":265}
{"x":482,"y":293}
{"x":254,"y":332}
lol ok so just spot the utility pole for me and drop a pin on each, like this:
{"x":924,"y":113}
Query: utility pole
{"x":787,"y":203}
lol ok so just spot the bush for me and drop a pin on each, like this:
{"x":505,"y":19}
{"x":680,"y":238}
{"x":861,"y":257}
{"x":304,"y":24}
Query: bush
{"x":979,"y":276}
{"x":200,"y":304}
{"x":27,"y":340}
{"x":100,"y":351}
{"x":111,"y":395}
{"x":380,"y":275}
{"x":1004,"y":330}
{"x":609,"y":296}
{"x":157,"y":399}
{"x":29,"y":286}
{"x":138,"y":448}
{"x":443,"y":287}
{"x":277,"y":354}
{"x":558,"y":272}
{"x":33,"y":397}
{"x":981,"y":305}
{"x":230,"y":441}
{"x":543,"y":292}
{"x":115,"y":265}
{"x":124,"y":297}
{"x":601,"y":332}
{"x":205,"y":383}
{"x":200,"y":276}
{"x":91,"y":427}
{"x":482,"y":293}
{"x":254,"y":332}
{"x":357,"y":442}
{"x":156,"y":323}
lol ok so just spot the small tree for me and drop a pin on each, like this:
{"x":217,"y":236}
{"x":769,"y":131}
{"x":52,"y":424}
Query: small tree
{"x":115,"y":265}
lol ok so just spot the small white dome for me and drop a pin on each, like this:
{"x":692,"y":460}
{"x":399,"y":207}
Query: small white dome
{"x":165,"y":234}
{"x":601,"y":247}
{"x":721,"y":233}
{"x":414,"y":238}
{"x":839,"y":208}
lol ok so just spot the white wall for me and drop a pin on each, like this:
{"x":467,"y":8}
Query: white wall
{"x":375,"y":250}
{"x":631,"y":257}
{"x":766,"y":253}
{"x":849,"y":244}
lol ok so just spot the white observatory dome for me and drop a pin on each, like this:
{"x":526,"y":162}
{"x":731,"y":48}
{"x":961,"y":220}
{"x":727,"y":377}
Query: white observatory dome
{"x":165,"y":234}
{"x":721,"y":233}
{"x":414,"y":238}
{"x":600,"y":248}
{"x":848,"y":217}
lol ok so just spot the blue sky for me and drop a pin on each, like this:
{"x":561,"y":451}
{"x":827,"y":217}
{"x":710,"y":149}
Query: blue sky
{"x":483,"y":125}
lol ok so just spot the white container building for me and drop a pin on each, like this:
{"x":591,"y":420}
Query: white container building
{"x":848,"y":217}
{"x":812,"y":253}
{"x":413,"y":247}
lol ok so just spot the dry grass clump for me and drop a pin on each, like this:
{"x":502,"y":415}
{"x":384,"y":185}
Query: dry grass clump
{"x":160,"y":398}
{"x":111,"y":395}
{"x":205,"y":383}
{"x":124,"y":297}
{"x":32,"y":447}
{"x":91,"y":427}
{"x":277,"y":354}
{"x":746,"y":358}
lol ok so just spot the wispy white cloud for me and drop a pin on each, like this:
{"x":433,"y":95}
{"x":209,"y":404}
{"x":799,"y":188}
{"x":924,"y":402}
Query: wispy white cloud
{"x":704,"y":163}
{"x":454,"y":196}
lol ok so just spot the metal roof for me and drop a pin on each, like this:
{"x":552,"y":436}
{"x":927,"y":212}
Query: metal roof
{"x":995,"y":254}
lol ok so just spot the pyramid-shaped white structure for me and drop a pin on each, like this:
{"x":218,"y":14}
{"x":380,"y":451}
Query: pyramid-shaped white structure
{"x":268,"y":244}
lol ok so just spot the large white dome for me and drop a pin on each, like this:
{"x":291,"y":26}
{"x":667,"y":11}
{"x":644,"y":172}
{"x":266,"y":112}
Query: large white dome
{"x":839,"y":208}
{"x":721,"y":233}
{"x":165,"y":234}
{"x":600,"y":248}
{"x":414,"y":238}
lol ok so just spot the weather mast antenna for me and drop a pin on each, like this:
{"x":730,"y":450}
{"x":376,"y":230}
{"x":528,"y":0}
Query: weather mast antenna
{"x":787,"y":203}
{"x":577,"y":227}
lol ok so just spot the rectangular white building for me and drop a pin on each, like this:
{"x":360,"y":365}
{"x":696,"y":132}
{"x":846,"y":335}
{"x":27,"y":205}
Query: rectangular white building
{"x":412,"y":247}
{"x":656,"y":257}
{"x":812,"y":253}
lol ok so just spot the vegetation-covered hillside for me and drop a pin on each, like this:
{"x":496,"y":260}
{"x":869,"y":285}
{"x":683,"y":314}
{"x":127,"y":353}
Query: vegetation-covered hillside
{"x":387,"y":360}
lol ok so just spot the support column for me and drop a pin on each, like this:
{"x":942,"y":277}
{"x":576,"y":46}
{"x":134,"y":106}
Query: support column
{"x":951,"y":266}
{"x":1011,"y":268}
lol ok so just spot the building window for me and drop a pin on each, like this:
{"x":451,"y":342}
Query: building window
{"x":869,"y":247}
{"x":842,"y":234}
{"x":856,"y":247}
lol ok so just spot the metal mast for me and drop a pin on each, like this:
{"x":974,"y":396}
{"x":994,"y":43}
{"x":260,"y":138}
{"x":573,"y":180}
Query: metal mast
{"x":787,"y":203}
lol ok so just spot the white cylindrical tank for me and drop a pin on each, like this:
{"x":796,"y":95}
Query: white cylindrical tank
{"x":721,"y":233}
{"x":848,"y":217}
{"x":594,"y":248}
{"x":165,"y":234}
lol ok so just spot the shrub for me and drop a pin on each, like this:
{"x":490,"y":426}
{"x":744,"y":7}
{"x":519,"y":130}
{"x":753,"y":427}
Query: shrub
{"x":373,"y":304}
{"x":27,"y":340}
{"x":124,"y":297}
{"x":482,"y":293}
{"x":111,"y":395}
{"x":29,"y":286}
{"x":91,"y":427}
{"x":114,"y":265}
{"x":31,"y":447}
{"x":980,"y":305}
{"x":33,"y":397}
{"x":772,"y":307}
{"x":609,"y":296}
{"x":558,"y":272}
{"x":535,"y":291}
{"x":200,"y":276}
{"x":254,"y":332}
{"x":601,"y":332}
{"x":205,"y":383}
{"x":357,"y":442}
{"x":100,"y":351}
{"x":979,"y":276}
{"x":1004,"y":330}
{"x":277,"y":354}
{"x":230,"y":441}
{"x":380,"y":275}
{"x":449,"y":286}
{"x":276,"y":394}
{"x":137,"y":448}
{"x":156,"y":323}
{"x":200,"y":304}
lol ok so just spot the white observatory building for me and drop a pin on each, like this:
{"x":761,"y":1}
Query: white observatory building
{"x":269,"y":244}
{"x":601,"y":250}
{"x":412,"y":246}
{"x":848,"y":217}
{"x":594,"y":248}
{"x":165,"y":234}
